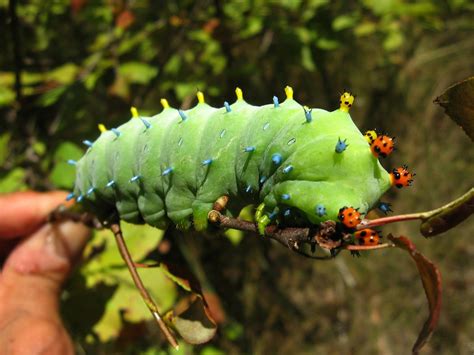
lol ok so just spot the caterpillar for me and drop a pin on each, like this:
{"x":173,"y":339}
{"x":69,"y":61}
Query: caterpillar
{"x":296,"y":163}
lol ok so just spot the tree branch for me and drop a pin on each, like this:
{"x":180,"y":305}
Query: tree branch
{"x":115,"y":228}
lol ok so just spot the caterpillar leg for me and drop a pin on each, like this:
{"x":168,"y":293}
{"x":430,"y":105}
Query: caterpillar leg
{"x":201,"y":215}
{"x":221,"y":203}
{"x":218,"y":207}
{"x":262,"y":219}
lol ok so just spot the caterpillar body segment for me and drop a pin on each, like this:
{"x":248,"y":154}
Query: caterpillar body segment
{"x":173,"y":166}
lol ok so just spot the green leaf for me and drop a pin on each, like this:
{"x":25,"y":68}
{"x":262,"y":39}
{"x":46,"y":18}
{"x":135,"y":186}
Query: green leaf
{"x":431,"y":280}
{"x":39,"y":148}
{"x":140,"y":239}
{"x":234,"y":235}
{"x":137,"y":73}
{"x":127,"y":302}
{"x":458,"y":102}
{"x":393,"y":41}
{"x":64,"y":74}
{"x":4,"y":140}
{"x":63,"y":175}
{"x":14,"y":181}
{"x":50,"y":97}
{"x":107,"y":267}
{"x":365,"y":28}
{"x":212,"y":350}
{"x":327,"y":44}
{"x":7,"y":96}
{"x":343,"y":22}
{"x":307,"y":59}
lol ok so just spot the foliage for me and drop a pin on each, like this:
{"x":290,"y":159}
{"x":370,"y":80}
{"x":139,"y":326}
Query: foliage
{"x":83,"y":62}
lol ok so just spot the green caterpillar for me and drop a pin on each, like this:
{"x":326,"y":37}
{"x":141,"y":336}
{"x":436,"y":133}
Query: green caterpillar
{"x":297,"y":163}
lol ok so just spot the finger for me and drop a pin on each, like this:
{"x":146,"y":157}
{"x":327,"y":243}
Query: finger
{"x":30,"y":286}
{"x":34,"y":272}
{"x":21,"y":213}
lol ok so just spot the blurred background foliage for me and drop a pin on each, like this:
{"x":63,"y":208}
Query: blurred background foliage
{"x":66,"y":65}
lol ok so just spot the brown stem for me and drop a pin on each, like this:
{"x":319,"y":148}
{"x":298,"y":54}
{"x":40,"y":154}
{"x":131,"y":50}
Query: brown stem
{"x":115,"y":228}
{"x":367,"y":223}
{"x":467,"y":198}
{"x":63,"y":214}
{"x":368,"y":247}
{"x":290,"y":237}
{"x":146,"y":266}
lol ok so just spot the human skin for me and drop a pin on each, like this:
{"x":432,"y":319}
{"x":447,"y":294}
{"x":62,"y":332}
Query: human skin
{"x":36,"y":258}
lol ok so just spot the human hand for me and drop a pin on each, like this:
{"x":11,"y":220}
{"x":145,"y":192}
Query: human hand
{"x":35,"y":259}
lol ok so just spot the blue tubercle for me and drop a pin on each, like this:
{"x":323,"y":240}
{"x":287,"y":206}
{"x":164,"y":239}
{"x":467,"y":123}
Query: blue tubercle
{"x":70,"y":196}
{"x":341,"y":145}
{"x":263,"y":179}
{"x":88,"y":143}
{"x":285,"y":197}
{"x":135,"y":178}
{"x":287,"y":169}
{"x":167,"y":171}
{"x":276,"y":158}
{"x":248,"y":189}
{"x":72,"y":162}
{"x":183,"y":115}
{"x":116,"y":132}
{"x":385,"y":207}
{"x":91,"y":190}
{"x":207,"y":162}
{"x":275,"y":102}
{"x":287,"y":212}
{"x":307,"y":114}
{"x":320,"y":210}
{"x":79,"y":198}
{"x":227,"y":106}
{"x":110,"y":183}
{"x":249,"y":149}
{"x":146,"y":123}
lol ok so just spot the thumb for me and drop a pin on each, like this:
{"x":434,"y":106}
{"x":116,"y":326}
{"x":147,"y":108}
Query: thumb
{"x":34,"y":272}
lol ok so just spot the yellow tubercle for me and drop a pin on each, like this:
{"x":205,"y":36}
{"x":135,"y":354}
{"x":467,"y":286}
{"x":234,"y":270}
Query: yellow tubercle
{"x":345,"y":102}
{"x":239,"y":93}
{"x":200,"y":97}
{"x":102,"y":128}
{"x":164,"y":103}
{"x":289,"y":92}
{"x":134,"y":112}
{"x":371,"y":136}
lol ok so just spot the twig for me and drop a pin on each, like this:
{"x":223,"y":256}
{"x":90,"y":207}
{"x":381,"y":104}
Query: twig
{"x":289,"y":237}
{"x":466,"y":199}
{"x":63,"y":214}
{"x":367,"y":247}
{"x":115,"y":228}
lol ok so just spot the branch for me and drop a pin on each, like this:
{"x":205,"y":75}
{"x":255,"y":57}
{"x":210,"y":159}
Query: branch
{"x":289,"y":237}
{"x":115,"y":228}
{"x":435,"y":221}
{"x":63,"y":214}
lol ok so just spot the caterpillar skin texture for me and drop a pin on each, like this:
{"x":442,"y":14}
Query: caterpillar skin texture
{"x":173,"y":166}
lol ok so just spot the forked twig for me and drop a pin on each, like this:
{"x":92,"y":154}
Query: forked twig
{"x":122,"y":246}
